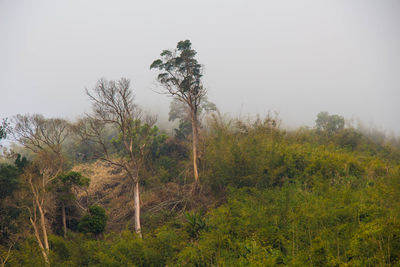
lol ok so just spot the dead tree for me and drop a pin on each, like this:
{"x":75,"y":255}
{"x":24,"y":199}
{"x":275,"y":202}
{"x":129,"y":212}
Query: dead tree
{"x":113,"y":106}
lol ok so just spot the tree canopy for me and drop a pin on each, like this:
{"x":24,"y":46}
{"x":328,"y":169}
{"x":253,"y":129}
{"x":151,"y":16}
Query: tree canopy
{"x":329,"y":123}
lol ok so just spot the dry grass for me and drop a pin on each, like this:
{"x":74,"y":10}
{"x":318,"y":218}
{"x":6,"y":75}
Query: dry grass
{"x":111,"y":189}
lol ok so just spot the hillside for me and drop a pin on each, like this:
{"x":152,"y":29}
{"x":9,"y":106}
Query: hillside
{"x":268,"y":197}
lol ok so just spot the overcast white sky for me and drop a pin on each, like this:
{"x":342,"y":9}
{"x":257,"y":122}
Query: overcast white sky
{"x":295,"y":57}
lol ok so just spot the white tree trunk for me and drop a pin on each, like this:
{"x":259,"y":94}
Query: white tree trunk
{"x":136,"y":201}
{"x":39,"y":240}
{"x":44,"y":245}
{"x":195,"y":143}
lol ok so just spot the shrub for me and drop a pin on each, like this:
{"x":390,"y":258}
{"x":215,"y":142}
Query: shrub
{"x":94,"y":222}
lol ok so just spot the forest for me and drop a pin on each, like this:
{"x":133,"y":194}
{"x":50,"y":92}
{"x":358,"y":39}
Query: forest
{"x":114,"y":188}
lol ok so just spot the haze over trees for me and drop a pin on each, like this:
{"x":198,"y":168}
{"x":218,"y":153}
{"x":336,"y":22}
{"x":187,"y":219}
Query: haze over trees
{"x":329,"y":123}
{"x":113,"y":189}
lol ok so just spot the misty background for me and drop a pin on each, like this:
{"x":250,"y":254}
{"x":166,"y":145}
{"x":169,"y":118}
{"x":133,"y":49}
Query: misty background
{"x":294,"y":57}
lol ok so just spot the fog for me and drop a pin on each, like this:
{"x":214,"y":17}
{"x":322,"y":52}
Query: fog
{"x":294,"y":57}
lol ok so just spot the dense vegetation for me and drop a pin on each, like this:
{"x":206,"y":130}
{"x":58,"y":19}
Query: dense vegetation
{"x":264,"y":196}
{"x":269,"y":197}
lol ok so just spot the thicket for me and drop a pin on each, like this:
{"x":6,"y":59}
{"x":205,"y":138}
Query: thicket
{"x":268,"y":197}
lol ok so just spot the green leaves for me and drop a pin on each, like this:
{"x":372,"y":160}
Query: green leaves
{"x":4,"y":129}
{"x":195,"y":224}
{"x":156,"y":64}
{"x":179,"y":71}
{"x":329,"y":123}
{"x":166,"y":53}
{"x":74,"y":179}
{"x":184,"y":45}
{"x":94,"y":222}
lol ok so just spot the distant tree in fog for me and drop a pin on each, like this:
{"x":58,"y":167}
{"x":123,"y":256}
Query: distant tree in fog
{"x":329,"y":123}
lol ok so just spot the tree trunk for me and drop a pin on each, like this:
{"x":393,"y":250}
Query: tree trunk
{"x":195,"y":134}
{"x":44,"y":246}
{"x":42,"y":249}
{"x":64,"y":220}
{"x":44,"y":229}
{"x":45,"y":238}
{"x":136,"y":202}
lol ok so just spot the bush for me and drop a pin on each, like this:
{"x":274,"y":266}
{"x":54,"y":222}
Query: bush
{"x":94,"y":222}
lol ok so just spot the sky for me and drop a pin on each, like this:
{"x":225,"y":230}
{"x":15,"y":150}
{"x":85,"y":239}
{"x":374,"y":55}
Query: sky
{"x":294,"y":57}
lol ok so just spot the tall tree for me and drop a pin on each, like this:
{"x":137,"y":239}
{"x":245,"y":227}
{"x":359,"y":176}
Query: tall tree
{"x":113,"y":106}
{"x":180,"y":75}
{"x":45,"y":138}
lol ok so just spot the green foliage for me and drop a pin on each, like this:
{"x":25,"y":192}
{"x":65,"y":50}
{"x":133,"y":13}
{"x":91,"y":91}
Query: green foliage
{"x":157,"y":143}
{"x":72,"y":178}
{"x":329,"y":123}
{"x":63,"y":189}
{"x":60,"y":251}
{"x":180,"y":61}
{"x":296,"y":198}
{"x":180,"y":73}
{"x":184,"y":130}
{"x":94,"y":222}
{"x":261,"y":156}
{"x":179,"y":110}
{"x":8,"y":180}
{"x":195,"y":224}
{"x":147,"y":140}
{"x":9,"y":184}
{"x":26,"y":253}
{"x":4,"y":129}
{"x":297,"y":227}
{"x":124,"y":250}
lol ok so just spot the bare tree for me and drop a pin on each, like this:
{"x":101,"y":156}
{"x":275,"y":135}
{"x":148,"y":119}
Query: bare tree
{"x":45,"y":138}
{"x":180,"y":75}
{"x":113,"y":106}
